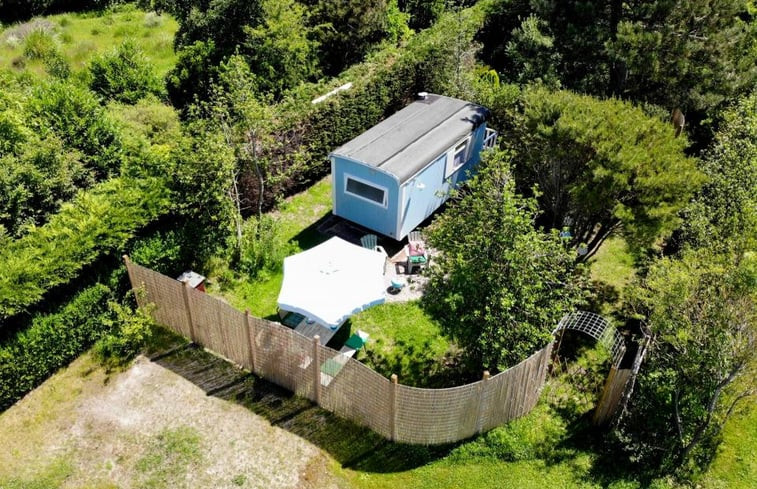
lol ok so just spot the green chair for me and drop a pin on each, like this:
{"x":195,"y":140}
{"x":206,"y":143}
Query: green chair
{"x":370,"y":241}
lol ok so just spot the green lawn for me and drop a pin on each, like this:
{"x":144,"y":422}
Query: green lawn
{"x":80,"y":36}
{"x":612,"y":269}
{"x":735,"y":466}
{"x":403,"y":339}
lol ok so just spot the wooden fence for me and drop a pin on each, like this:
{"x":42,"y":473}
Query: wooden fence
{"x":285,"y":357}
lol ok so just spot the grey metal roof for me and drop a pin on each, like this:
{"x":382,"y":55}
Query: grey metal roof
{"x":407,"y":141}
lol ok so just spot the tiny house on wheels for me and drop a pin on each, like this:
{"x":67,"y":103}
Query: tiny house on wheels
{"x":396,"y":174}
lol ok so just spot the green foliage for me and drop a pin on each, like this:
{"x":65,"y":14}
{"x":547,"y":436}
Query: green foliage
{"x":221,"y":21}
{"x":35,"y":183}
{"x":499,"y":285}
{"x":693,"y":55}
{"x":166,"y":252}
{"x":50,"y":342}
{"x":193,"y":73}
{"x":127,"y":329}
{"x":536,"y":436}
{"x":39,"y":44}
{"x":600,"y":165}
{"x":203,"y":175}
{"x":689,"y":54}
{"x":423,"y":13}
{"x":358,"y":24}
{"x":724,"y":213}
{"x":124,"y":74}
{"x":700,"y":311}
{"x":279,"y":49}
{"x":263,"y":246}
{"x":94,"y":223}
{"x":75,"y":115}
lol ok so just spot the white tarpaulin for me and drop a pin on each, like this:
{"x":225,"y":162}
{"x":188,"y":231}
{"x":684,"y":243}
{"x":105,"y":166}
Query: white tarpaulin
{"x":332,"y":281}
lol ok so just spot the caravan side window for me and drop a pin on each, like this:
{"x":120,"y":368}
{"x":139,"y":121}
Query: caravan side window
{"x":459,"y":156}
{"x":365,"y":190}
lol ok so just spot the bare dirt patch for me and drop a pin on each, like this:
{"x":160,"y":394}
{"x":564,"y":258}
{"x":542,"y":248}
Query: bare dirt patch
{"x":147,"y":427}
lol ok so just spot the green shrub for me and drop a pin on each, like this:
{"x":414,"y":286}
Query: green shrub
{"x":533,"y":436}
{"x":166,"y":252}
{"x":57,"y":66}
{"x":94,"y":223}
{"x":263,"y":246}
{"x":39,"y":44}
{"x":76,"y":116}
{"x":128,"y":331}
{"x":124,"y":74}
{"x":50,"y":342}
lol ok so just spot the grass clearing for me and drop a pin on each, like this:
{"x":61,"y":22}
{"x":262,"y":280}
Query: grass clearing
{"x":612,"y":269}
{"x":735,"y":465}
{"x":80,"y":36}
{"x":403,"y":339}
{"x":168,"y":455}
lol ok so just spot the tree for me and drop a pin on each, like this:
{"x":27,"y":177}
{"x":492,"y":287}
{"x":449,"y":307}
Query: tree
{"x":689,"y":54}
{"x":279,"y":49}
{"x":724,"y":213}
{"x":498,"y":284}
{"x":692,"y":55}
{"x":346,"y":29}
{"x":600,"y":166}
{"x":423,"y":13}
{"x":75,"y":115}
{"x":700,"y":310}
{"x":221,"y":21}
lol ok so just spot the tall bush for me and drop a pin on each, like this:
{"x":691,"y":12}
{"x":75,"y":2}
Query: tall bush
{"x":94,"y":223}
{"x":499,"y":285}
{"x":124,"y":74}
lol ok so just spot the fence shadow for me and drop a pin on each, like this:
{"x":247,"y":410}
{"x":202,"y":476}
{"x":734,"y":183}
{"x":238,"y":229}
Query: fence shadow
{"x":353,"y":446}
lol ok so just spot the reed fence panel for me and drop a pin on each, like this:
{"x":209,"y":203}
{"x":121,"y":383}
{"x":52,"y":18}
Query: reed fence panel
{"x":285,"y":357}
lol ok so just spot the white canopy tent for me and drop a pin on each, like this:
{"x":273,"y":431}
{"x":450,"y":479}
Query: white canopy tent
{"x":332,"y":281}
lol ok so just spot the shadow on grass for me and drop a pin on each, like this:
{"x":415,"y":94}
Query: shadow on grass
{"x":353,"y":446}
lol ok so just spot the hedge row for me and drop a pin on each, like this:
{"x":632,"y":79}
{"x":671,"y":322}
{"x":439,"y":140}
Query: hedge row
{"x":50,"y":342}
{"x":94,"y":223}
{"x":382,"y":84}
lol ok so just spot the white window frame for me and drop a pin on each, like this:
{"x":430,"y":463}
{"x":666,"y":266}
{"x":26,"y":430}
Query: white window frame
{"x":348,"y":177}
{"x":453,"y":151}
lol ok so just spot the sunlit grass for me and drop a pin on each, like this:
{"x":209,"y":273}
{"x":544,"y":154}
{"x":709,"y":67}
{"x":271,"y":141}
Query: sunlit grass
{"x":81,"y":36}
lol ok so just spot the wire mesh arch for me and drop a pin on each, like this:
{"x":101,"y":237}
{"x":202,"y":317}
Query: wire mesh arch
{"x":598,"y":328}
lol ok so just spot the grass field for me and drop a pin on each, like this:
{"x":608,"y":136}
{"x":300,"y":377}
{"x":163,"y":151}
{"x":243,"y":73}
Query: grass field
{"x":78,"y":37}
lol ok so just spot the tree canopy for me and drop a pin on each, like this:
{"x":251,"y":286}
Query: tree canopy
{"x":700,"y":310}
{"x":692,"y":55}
{"x":499,"y":285}
{"x":600,"y":166}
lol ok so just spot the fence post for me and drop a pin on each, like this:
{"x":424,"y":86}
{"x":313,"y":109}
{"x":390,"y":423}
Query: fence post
{"x":188,"y":309}
{"x":317,"y":369}
{"x":250,"y":327}
{"x":393,"y":404}
{"x":601,"y":412}
{"x":132,"y":279}
{"x":481,"y":391}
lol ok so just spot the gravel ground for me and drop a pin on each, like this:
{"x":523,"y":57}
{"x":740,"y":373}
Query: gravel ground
{"x":116,"y":431}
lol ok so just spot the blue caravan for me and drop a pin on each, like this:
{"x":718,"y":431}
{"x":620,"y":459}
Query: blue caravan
{"x":396,"y":174}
